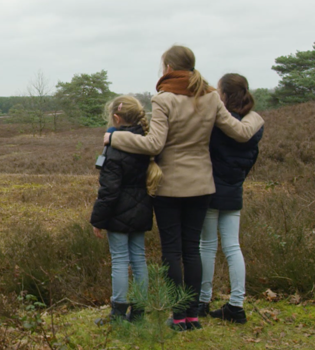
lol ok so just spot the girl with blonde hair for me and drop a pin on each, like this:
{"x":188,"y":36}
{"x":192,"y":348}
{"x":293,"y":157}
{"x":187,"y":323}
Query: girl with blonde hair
{"x":124,"y":206}
{"x":183,"y":115}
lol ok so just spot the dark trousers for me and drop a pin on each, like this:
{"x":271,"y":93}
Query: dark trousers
{"x":180,"y":220}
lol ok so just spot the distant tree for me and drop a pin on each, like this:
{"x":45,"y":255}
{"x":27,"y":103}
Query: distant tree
{"x":39,"y":94}
{"x":55,"y":111}
{"x":263,"y":99}
{"x":298,"y":77}
{"x":18,"y":113}
{"x":84,"y":97}
{"x":145,"y":99}
{"x":32,"y":108}
{"x":6,"y":103}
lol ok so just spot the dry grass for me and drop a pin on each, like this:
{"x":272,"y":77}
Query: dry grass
{"x":48,"y":184}
{"x":47,"y":188}
{"x":67,"y":152}
{"x":287,"y":150}
{"x":51,"y":200}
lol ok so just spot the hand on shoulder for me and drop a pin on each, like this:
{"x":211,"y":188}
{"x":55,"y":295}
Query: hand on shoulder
{"x":106,"y":138}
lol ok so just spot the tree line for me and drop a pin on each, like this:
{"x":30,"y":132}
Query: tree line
{"x":82,"y":99}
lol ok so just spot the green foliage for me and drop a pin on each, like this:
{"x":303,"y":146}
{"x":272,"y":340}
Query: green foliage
{"x":31,"y":319}
{"x":163,"y":294}
{"x":263,"y":99}
{"x":298,"y":77}
{"x":6,"y":103}
{"x":84,"y":97}
{"x":162,"y":297}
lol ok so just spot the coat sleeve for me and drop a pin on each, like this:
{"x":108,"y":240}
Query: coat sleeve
{"x":253,"y":143}
{"x":241,"y":131}
{"x":108,"y":193}
{"x":153,"y":142}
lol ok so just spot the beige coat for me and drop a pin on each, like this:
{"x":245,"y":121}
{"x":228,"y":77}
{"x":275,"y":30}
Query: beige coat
{"x":180,"y":135}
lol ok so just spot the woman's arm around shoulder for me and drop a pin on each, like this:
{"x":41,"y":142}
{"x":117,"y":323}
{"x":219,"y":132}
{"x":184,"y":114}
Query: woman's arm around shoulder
{"x":154,"y":141}
{"x":241,"y":131}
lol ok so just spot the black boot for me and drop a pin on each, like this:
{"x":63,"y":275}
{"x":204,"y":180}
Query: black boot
{"x":135,"y":314}
{"x":230,"y":313}
{"x":203,"y":309}
{"x":118,"y":310}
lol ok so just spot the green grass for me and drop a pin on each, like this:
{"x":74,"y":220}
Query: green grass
{"x":282,"y":326}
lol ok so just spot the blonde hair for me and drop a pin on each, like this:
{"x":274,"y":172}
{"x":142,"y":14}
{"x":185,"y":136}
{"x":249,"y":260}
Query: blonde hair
{"x":182,"y":58}
{"x":133,"y":113}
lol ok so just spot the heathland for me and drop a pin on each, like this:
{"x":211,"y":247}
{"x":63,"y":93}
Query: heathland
{"x":49,"y":256}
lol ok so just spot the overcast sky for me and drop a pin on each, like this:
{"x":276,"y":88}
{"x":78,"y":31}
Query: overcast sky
{"x":127,"y":38}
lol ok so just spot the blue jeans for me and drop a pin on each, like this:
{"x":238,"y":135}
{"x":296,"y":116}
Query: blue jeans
{"x":127,"y":249}
{"x":228,"y":223}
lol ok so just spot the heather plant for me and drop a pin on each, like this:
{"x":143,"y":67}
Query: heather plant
{"x":52,"y":267}
{"x":42,"y":183}
{"x":279,"y":243}
{"x":287,"y":149}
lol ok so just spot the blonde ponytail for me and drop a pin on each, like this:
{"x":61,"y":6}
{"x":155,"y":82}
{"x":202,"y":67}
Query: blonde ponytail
{"x":182,"y":58}
{"x":154,"y":176}
{"x":198,"y":85}
{"x":154,"y":172}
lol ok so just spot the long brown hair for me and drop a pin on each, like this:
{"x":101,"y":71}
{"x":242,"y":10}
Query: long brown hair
{"x":235,"y":90}
{"x":182,"y":58}
{"x":133,"y":113}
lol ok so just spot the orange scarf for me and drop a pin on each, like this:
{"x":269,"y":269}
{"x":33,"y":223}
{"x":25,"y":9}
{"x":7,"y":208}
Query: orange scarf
{"x":177,"y":82}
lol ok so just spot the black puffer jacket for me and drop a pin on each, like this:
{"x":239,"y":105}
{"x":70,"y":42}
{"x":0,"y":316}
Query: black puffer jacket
{"x":231,"y":162}
{"x":123,"y":204}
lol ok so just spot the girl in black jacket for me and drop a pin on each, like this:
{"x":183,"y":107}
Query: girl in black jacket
{"x":124,"y":205}
{"x":231,"y":163}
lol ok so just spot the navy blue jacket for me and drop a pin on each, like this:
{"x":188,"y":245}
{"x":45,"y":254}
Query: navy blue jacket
{"x":123,"y":204}
{"x":231,"y":163}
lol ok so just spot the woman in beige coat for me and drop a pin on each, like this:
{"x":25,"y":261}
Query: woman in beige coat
{"x":183,"y":115}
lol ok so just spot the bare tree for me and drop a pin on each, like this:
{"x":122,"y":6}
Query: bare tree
{"x":38,"y":91}
{"x":33,"y":106}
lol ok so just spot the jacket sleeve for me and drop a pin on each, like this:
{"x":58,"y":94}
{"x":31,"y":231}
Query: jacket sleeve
{"x":256,"y":138}
{"x":253,"y":143}
{"x":108,"y":193}
{"x":153,"y":142}
{"x":241,"y":131}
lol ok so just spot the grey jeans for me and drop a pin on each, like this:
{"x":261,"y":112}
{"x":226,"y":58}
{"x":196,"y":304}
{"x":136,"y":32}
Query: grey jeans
{"x":228,"y":223}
